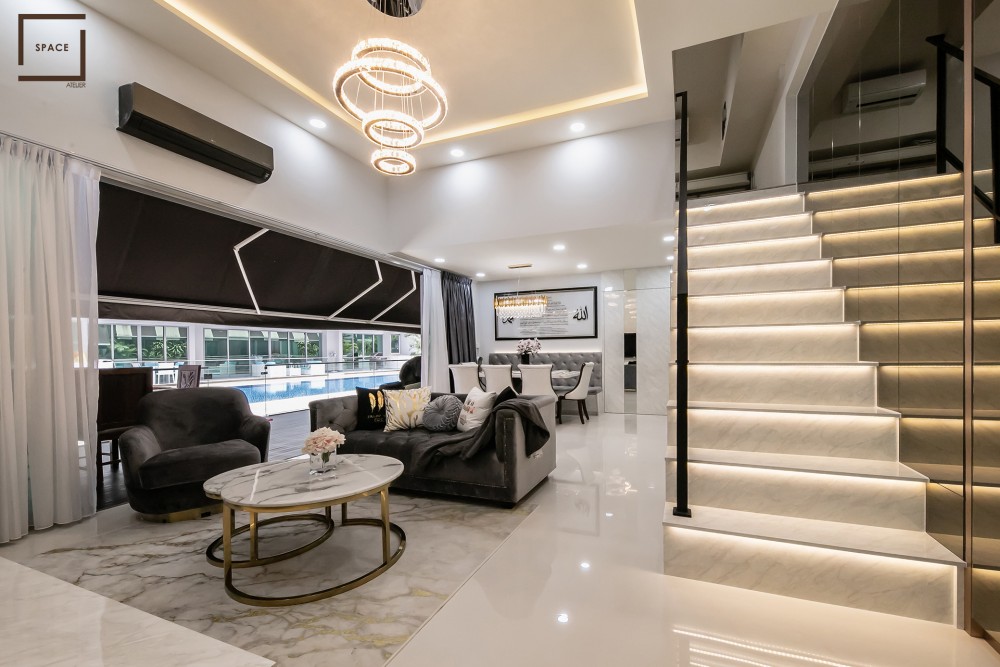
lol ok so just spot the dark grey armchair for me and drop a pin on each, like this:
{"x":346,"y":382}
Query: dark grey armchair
{"x":184,"y":437}
{"x":409,"y":373}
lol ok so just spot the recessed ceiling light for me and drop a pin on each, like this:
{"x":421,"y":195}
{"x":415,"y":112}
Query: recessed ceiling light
{"x":457,"y":152}
{"x":608,"y":288}
{"x":609,"y":514}
{"x":670,"y":258}
{"x":584,"y":565}
{"x":317,"y":123}
{"x":559,"y":246}
{"x":480,"y":275}
{"x":439,"y":260}
{"x":668,"y":238}
{"x":577,"y":127}
{"x":581,"y":266}
{"x":563,"y":618}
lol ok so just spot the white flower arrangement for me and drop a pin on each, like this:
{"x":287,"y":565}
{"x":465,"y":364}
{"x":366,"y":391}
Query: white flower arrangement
{"x":323,"y":441}
{"x":528,"y":346}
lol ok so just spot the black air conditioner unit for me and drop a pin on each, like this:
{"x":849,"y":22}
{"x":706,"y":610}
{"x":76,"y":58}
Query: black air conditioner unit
{"x":146,"y":114}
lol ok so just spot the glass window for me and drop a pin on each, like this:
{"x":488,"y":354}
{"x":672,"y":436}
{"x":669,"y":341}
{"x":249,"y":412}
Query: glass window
{"x":279,"y":344}
{"x":314,"y":347}
{"x":104,"y":342}
{"x":152,"y":343}
{"x":297,"y":347}
{"x":394,"y":344}
{"x":125,"y":346}
{"x":239,"y":344}
{"x":216,"y":344}
{"x":258,"y":344}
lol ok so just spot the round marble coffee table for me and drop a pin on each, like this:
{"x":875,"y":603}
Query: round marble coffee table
{"x":287,"y":486}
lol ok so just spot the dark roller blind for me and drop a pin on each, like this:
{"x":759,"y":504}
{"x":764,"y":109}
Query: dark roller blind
{"x":153,"y":249}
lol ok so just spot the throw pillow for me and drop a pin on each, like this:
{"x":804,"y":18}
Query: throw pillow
{"x":476,"y":409}
{"x":442,"y":413}
{"x":506,"y":394}
{"x":371,"y":409}
{"x":404,"y":409}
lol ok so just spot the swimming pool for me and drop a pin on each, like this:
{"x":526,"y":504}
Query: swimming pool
{"x":274,"y":390}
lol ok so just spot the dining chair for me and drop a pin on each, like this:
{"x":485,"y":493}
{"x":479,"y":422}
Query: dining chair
{"x":119,"y":391}
{"x":465,"y":376}
{"x":536,"y":380}
{"x":189,"y":376}
{"x":498,"y":377}
{"x":577,"y":393}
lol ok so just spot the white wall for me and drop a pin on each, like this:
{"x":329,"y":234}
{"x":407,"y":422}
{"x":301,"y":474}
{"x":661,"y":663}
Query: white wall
{"x":482,"y":293}
{"x":314,"y":185}
{"x":625,"y":177}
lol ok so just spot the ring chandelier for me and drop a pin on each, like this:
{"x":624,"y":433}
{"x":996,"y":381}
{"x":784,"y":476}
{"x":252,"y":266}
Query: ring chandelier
{"x":385,"y":86}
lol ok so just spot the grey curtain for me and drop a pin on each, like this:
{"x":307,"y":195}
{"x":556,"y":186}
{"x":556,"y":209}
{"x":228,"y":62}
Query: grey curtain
{"x":460,"y":322}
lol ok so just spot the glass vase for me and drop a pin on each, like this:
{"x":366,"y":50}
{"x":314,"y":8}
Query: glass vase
{"x":320,"y":464}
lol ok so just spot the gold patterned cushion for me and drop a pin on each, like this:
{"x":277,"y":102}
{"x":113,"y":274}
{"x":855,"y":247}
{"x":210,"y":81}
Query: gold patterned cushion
{"x":405,"y":409}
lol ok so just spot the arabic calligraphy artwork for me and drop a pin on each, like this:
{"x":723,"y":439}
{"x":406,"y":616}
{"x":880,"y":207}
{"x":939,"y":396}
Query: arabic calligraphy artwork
{"x":571,"y":313}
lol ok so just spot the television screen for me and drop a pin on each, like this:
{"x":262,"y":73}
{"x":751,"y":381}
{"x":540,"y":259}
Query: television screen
{"x":629,"y":345}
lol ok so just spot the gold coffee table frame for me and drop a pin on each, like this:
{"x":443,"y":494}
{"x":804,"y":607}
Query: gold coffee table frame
{"x":229,"y":531}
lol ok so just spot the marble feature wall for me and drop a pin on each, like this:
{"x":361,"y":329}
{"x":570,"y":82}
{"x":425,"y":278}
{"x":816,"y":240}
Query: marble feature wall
{"x":653,"y":350}
{"x":614,"y":350}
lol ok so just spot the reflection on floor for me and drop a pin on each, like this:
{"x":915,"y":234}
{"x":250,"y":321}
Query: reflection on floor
{"x":580,"y":582}
{"x":288,"y":432}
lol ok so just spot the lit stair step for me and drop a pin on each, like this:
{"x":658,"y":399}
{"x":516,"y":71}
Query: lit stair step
{"x":936,"y":388}
{"x":891,"y":585}
{"x":843,"y":385}
{"x":888,"y":215}
{"x":860,"y":436}
{"x":830,"y":465}
{"x":928,"y":342}
{"x":930,"y":187}
{"x":756,"y":252}
{"x":812,"y":274}
{"x":916,"y":238}
{"x":780,"y":227}
{"x":920,"y":302}
{"x":709,"y":213}
{"x":870,"y":501}
{"x":777,"y":343}
{"x":889,"y":542}
{"x":914,"y":268}
{"x":800,"y":408}
{"x":795,"y":307}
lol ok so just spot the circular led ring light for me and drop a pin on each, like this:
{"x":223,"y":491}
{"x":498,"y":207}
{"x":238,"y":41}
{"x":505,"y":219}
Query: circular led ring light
{"x":383,"y":127}
{"x":355,"y":67}
{"x":381,"y":45}
{"x":393,"y":161}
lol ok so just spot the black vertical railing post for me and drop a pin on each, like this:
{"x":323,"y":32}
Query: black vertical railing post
{"x":994,"y":159}
{"x":681,"y":508}
{"x":942,"y":110}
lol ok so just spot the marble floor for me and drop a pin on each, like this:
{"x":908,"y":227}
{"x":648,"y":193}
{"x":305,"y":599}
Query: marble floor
{"x":579,"y":582}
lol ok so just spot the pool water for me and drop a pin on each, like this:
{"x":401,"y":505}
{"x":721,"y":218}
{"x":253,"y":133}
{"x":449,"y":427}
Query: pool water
{"x":274,"y":390}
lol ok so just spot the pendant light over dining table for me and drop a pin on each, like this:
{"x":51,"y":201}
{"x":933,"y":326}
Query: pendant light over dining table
{"x":387,"y":85}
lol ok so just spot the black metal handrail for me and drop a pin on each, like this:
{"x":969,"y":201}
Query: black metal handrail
{"x":681,"y":507}
{"x":944,"y":154}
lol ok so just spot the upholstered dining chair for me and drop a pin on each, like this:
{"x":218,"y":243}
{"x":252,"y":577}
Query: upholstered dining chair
{"x":498,"y":377}
{"x":536,"y":380}
{"x":466,"y":376}
{"x":577,"y":393}
{"x":188,"y":376}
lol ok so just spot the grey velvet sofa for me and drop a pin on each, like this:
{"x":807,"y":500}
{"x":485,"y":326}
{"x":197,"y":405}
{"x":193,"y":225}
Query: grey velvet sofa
{"x":503,"y":474}
{"x":184,"y":437}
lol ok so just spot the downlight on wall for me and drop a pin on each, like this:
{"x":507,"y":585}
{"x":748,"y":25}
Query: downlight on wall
{"x":387,"y":85}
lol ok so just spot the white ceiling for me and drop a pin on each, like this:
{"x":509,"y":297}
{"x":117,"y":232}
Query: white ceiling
{"x":517,"y":73}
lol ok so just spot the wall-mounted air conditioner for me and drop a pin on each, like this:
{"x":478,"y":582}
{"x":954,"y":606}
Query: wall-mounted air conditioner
{"x":885,"y":92}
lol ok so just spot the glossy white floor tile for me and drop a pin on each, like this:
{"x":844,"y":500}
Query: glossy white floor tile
{"x":580,"y":583}
{"x":46,"y":621}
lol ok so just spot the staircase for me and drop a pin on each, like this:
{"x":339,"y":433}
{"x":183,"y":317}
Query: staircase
{"x":825,"y":339}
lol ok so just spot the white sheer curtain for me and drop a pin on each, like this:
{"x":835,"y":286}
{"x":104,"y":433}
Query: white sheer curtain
{"x":48,"y":338}
{"x":433,"y":334}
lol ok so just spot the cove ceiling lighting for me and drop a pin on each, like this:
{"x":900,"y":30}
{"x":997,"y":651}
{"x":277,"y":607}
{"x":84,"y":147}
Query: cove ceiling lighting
{"x":387,"y":85}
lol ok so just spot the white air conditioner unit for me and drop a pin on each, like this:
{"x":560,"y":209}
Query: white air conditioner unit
{"x":888,"y":91}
